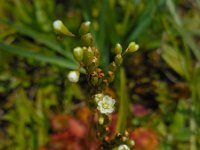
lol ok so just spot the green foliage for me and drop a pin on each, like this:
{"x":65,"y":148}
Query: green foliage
{"x":38,"y":56}
{"x":31,"y":128}
{"x":172,"y":27}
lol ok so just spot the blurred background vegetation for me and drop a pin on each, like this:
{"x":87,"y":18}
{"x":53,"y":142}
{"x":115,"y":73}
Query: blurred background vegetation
{"x":161,"y":83}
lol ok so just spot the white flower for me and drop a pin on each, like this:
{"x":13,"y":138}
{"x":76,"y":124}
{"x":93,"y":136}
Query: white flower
{"x":123,"y":147}
{"x":73,"y":76}
{"x":57,"y":25}
{"x":106,"y":105}
{"x":98,"y":97}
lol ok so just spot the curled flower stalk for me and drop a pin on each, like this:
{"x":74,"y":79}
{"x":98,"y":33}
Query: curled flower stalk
{"x":98,"y":81}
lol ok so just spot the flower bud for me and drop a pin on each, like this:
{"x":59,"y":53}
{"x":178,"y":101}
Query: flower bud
{"x":131,"y":143}
{"x":84,"y":28}
{"x":118,"y":59}
{"x":124,"y":138}
{"x":88,"y":56}
{"x":93,"y":65}
{"x":118,"y":48}
{"x":111,"y":76}
{"x":132,"y":47}
{"x":101,"y":120}
{"x":96,"y":52}
{"x":94,"y":80}
{"x":60,"y":28}
{"x":112,"y":67}
{"x":78,"y":53}
{"x":73,"y":76}
{"x":87,"y":39}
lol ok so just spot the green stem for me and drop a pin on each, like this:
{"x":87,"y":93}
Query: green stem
{"x":123,"y":103}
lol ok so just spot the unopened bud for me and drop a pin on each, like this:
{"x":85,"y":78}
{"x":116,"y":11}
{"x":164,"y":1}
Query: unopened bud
{"x":101,"y":120}
{"x":94,"y":80}
{"x":126,"y":133}
{"x":124,"y":138}
{"x":112,"y":67}
{"x":93,"y":65}
{"x":87,"y":39}
{"x":78,"y":53}
{"x":118,"y":48}
{"x":131,"y":143}
{"x":118,"y":59}
{"x":111,"y":76}
{"x":88,"y":56}
{"x":60,"y":28}
{"x":84,"y":28}
{"x":132,"y":47}
{"x":73,"y":76}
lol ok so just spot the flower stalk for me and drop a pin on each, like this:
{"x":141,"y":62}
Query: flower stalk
{"x":98,"y":81}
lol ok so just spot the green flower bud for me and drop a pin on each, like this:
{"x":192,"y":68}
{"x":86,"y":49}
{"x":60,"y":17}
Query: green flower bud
{"x":78,"y":53}
{"x":124,"y":138}
{"x":118,"y":59}
{"x":112,"y":67}
{"x":101,"y":120}
{"x":132,"y":47}
{"x":118,"y":48}
{"x":60,"y":28}
{"x":131,"y":143}
{"x":93,"y":64}
{"x":87,"y":39}
{"x":88,"y":56}
{"x":84,"y":28}
{"x":111,"y":76}
{"x":94,"y":80}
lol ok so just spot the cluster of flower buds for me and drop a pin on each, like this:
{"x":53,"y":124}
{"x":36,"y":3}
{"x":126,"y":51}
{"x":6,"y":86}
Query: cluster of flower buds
{"x":119,"y":142}
{"x":88,"y":57}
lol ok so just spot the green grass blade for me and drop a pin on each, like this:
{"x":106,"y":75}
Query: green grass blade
{"x":176,"y":60}
{"x":41,"y":38}
{"x":144,"y":21}
{"x":176,"y":22}
{"x":22,"y":10}
{"x":173,"y":12}
{"x":38,"y":56}
{"x":42,"y":15}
